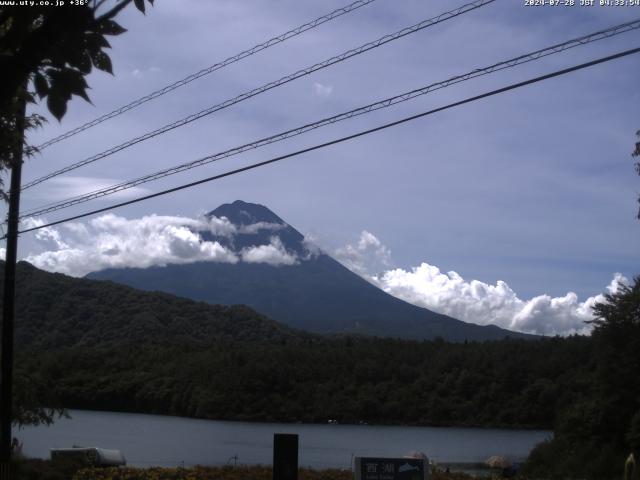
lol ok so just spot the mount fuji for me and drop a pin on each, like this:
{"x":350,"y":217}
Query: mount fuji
{"x":281,"y":275}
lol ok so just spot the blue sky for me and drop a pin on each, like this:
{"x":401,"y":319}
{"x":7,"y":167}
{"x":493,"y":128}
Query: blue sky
{"x":535,"y":187}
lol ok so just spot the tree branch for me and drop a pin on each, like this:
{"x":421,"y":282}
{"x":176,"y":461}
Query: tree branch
{"x":97,"y":4}
{"x":113,"y":12}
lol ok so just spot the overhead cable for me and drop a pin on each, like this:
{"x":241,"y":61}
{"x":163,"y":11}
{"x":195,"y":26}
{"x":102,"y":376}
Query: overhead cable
{"x":343,"y":139}
{"x":387,"y":102}
{"x":268,"y":86}
{"x":206,"y":71}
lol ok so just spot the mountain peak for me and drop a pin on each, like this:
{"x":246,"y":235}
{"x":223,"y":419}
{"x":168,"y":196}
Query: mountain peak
{"x":256,"y":226}
{"x":244,"y":213}
{"x":279,"y":276}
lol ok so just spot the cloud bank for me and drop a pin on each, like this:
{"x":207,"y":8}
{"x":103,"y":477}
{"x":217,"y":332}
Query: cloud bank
{"x":111,"y":241}
{"x":472,"y":300}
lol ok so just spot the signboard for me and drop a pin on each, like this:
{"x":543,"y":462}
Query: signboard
{"x":285,"y":456}
{"x":370,"y":468}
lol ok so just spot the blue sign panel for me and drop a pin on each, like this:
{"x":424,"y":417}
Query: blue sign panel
{"x":371,"y":468}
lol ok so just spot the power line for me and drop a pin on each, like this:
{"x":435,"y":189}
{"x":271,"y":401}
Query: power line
{"x":346,"y":138}
{"x":268,"y":86}
{"x":609,"y":32}
{"x":206,"y":71}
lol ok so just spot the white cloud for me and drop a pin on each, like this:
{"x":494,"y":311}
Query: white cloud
{"x":62,"y":188}
{"x":321,"y":90}
{"x":272,"y":254}
{"x":310,"y":244}
{"x":219,"y":226}
{"x":475,"y":301}
{"x":139,"y":74}
{"x":256,"y":227}
{"x":46,"y":234}
{"x":110,"y":241}
{"x":369,"y":255}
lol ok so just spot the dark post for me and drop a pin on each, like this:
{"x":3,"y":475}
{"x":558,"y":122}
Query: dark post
{"x":8,"y":308}
{"x":285,"y":456}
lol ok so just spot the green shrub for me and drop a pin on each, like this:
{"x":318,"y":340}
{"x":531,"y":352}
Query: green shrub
{"x":559,"y":459}
{"x":36,"y":469}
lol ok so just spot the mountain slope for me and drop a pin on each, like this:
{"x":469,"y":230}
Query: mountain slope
{"x":56,"y":311}
{"x":316,"y":293}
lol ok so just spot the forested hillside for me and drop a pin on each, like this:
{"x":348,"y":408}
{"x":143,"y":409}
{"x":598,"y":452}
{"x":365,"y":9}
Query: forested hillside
{"x":116,"y":348}
{"x":56,"y":311}
{"x":507,"y":383}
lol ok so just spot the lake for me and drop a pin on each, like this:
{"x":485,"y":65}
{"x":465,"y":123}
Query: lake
{"x":148,"y":440}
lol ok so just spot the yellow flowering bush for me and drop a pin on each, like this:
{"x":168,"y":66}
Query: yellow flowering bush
{"x":223,"y":473}
{"x":202,"y":473}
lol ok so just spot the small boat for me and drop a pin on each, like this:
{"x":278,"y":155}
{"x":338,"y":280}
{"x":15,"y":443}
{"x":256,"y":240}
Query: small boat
{"x":98,"y":457}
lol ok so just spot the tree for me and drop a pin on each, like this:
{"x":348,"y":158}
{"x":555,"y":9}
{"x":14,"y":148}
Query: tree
{"x":52,"y":49}
{"x":619,"y":311}
{"x":636,"y":153}
{"x":595,"y":432}
{"x":10,"y":136}
{"x":617,"y":340}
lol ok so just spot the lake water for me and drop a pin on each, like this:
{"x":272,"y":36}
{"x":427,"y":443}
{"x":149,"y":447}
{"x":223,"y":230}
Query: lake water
{"x":147,"y":440}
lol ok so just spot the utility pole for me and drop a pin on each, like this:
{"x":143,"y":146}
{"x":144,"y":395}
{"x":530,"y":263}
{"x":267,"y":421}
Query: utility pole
{"x":8,"y":300}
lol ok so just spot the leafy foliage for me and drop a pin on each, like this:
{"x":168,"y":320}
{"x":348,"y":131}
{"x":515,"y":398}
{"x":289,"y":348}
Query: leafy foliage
{"x":30,"y":388}
{"x":37,"y":469}
{"x":54,"y":48}
{"x":595,"y":433}
{"x":11,"y":122}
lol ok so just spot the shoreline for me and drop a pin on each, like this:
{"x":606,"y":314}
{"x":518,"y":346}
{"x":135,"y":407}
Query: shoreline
{"x":170,"y":440}
{"x":359,"y":424}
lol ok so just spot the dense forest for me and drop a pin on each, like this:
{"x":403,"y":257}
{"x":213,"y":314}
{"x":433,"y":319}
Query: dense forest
{"x":509,"y":383}
{"x":97,"y":345}
{"x":106,"y":346}
{"x":56,"y":311}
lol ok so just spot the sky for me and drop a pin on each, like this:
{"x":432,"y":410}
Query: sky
{"x":530,"y":194}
